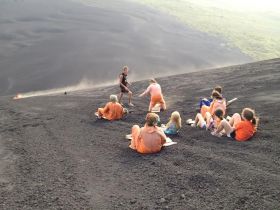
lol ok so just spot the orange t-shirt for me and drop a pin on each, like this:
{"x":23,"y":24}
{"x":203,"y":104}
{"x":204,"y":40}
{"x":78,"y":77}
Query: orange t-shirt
{"x":244,"y":130}
{"x":150,"y":140}
{"x":113,"y":111}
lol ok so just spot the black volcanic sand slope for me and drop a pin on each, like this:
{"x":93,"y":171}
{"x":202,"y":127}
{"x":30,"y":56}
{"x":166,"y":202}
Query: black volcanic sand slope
{"x":50,"y":44}
{"x":55,"y":155}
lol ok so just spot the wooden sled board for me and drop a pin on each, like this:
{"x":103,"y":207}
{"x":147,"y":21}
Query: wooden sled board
{"x":231,"y":101}
{"x":156,"y":108}
{"x":167,"y":144}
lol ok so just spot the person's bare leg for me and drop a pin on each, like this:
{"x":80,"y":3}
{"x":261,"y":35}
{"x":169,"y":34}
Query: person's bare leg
{"x":163,"y":104}
{"x":129,"y":98}
{"x":236,"y":118}
{"x":199,"y":120}
{"x":120,"y":97}
{"x":196,"y":120}
{"x":208,"y":119}
{"x":100,"y":112}
{"x":224,"y":125}
{"x":150,"y":107}
{"x":134,"y":134}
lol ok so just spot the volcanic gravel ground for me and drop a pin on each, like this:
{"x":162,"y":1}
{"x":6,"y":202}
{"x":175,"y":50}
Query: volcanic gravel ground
{"x":54,"y":154}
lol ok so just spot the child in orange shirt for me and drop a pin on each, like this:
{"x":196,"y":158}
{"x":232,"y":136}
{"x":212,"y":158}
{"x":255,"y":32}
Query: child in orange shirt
{"x":148,"y":139}
{"x":112,"y":111}
{"x":241,"y":128}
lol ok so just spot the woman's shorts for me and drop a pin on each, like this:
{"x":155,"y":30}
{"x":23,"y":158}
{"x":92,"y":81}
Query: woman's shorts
{"x":232,"y":135}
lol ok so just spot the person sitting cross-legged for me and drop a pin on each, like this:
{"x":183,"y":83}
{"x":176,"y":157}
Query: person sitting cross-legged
{"x":112,"y":111}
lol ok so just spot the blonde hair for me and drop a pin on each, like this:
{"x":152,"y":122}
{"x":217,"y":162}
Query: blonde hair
{"x":152,"y":80}
{"x":113,"y":98}
{"x":152,"y":119}
{"x":175,"y":117}
{"x":125,"y":67}
{"x":250,"y":115}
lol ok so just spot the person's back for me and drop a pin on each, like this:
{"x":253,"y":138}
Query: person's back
{"x":150,"y":140}
{"x":218,"y":104}
{"x":172,"y":129}
{"x":155,"y":89}
{"x":113,"y":111}
{"x":244,"y":130}
{"x":174,"y":124}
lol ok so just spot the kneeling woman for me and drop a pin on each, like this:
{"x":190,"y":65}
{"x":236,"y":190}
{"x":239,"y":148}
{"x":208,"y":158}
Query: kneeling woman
{"x":112,"y":111}
{"x":148,"y":139}
{"x":154,"y":90}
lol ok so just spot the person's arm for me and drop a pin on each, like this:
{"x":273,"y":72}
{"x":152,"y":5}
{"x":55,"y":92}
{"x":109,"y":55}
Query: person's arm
{"x":238,"y":126}
{"x":106,"y":108}
{"x":146,"y":91}
{"x":162,"y":136}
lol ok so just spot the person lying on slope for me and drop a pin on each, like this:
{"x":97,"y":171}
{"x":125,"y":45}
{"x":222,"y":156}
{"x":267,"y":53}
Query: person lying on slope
{"x":148,"y":139}
{"x":154,"y":90}
{"x":239,"y":127}
{"x":112,"y":111}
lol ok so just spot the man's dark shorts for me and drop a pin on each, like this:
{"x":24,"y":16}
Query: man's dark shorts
{"x":123,"y":90}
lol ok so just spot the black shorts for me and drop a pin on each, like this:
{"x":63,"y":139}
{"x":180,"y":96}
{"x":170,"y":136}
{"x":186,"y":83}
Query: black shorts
{"x":232,"y":134}
{"x":123,"y":90}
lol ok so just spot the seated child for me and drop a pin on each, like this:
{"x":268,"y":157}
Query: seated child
{"x":240,"y":128}
{"x":217,"y":117}
{"x":218,"y":103}
{"x":112,"y":111}
{"x":208,"y":101}
{"x":148,"y":139}
{"x":174,"y":124}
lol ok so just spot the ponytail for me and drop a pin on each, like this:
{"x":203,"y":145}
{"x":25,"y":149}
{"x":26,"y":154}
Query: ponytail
{"x":255,"y":121}
{"x":219,"y":113}
{"x":249,"y":114}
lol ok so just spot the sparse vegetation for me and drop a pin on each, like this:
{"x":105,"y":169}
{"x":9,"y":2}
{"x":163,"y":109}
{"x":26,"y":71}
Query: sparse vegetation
{"x":256,"y":33}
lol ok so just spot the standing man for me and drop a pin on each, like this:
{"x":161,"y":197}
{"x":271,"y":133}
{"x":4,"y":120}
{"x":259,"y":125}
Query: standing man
{"x":124,"y":85}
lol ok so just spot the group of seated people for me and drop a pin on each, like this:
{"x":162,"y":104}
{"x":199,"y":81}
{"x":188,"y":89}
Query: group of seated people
{"x":152,"y":136}
{"x":240,"y":127}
